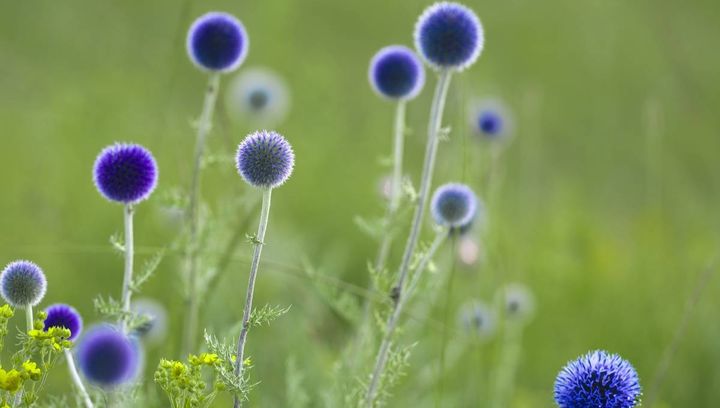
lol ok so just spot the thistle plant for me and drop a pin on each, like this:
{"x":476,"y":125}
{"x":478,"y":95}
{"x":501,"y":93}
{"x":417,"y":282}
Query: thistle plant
{"x":258,"y":96}
{"x":126,"y":174}
{"x":107,"y":357}
{"x":23,"y":284}
{"x":265,"y":160}
{"x":217,"y":43}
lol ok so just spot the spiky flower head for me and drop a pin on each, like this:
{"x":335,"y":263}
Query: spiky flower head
{"x":598,"y":380}
{"x":449,"y":36}
{"x":265,"y":159}
{"x":125,"y":173}
{"x":396,"y":73}
{"x":478,"y":319}
{"x":107,"y":357}
{"x":155,"y":328}
{"x":258,"y":95}
{"x":217,"y":42}
{"x":62,"y":315}
{"x":453,"y":205}
{"x":519,"y":302}
{"x":22,"y":284}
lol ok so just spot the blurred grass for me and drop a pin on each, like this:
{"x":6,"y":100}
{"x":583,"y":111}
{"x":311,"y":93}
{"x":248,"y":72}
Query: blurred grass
{"x":608,"y":211}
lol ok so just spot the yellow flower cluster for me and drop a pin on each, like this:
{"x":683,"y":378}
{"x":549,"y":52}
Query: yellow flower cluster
{"x":57,"y":337}
{"x":12,"y":380}
{"x":207,"y":359}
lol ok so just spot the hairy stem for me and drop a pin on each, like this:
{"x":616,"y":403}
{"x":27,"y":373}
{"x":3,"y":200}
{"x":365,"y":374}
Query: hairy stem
{"x":129,"y":253}
{"x":76,"y":379}
{"x":392,"y":322}
{"x":204,"y":125}
{"x":259,"y":242}
{"x":29,"y":317}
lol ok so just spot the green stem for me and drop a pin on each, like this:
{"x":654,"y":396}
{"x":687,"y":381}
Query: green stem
{"x":204,"y":125}
{"x":391,"y":325}
{"x":76,"y":379}
{"x":29,"y":317}
{"x":509,"y":358}
{"x":127,"y":275}
{"x":446,"y":311}
{"x":259,"y":242}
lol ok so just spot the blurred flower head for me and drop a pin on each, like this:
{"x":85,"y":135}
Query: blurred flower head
{"x":468,"y":250}
{"x":22,"y":284}
{"x":478,"y":319}
{"x":107,"y":357}
{"x":396,"y":73}
{"x":258,"y":95}
{"x":519,"y":303}
{"x":217,"y":42}
{"x":155,"y":329}
{"x":490,"y":119}
{"x":265,"y":159}
{"x":454,"y":205}
{"x":449,"y":36}
{"x":598,"y":380}
{"x":62,"y":315}
{"x":125,"y":173}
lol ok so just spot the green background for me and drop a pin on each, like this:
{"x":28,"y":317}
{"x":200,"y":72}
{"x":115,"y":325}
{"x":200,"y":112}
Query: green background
{"x":608,"y":208}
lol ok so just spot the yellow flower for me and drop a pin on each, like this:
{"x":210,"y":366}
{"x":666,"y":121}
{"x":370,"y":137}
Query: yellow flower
{"x":32,"y":370}
{"x":178,"y":369}
{"x":203,"y":359}
{"x":10,"y":380}
{"x":6,"y":311}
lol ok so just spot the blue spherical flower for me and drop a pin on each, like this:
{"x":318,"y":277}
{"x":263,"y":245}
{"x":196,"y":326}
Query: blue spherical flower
{"x":125,"y":173}
{"x":217,"y":42}
{"x":519,"y":302}
{"x":449,"y":36}
{"x":478,"y":319}
{"x":453,"y":205}
{"x":490,"y":119}
{"x":265,"y":159}
{"x":61,"y":315}
{"x":599,"y":380}
{"x":22,"y":284}
{"x":258,"y":95}
{"x":396,"y":73}
{"x":107,"y":357}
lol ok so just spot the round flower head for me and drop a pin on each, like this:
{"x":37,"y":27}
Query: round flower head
{"x":449,"y":36}
{"x":396,"y":73}
{"x":22,"y":284}
{"x":265,"y":159}
{"x":477,"y":319}
{"x":258,"y":95}
{"x":519,"y":302}
{"x":490,"y":119}
{"x":468,"y":251}
{"x":107,"y":357}
{"x":61,"y":315}
{"x":453,"y":205}
{"x":125,"y":173}
{"x":217,"y":42}
{"x":599,"y":380}
{"x":154,"y":329}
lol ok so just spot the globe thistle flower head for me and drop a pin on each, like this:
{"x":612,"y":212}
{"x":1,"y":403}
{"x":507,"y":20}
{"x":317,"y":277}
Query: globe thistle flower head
{"x":61,"y":315}
{"x":490,"y":120}
{"x":217,"y":42}
{"x":478,"y":319}
{"x":265,"y":159}
{"x":599,"y":380}
{"x":107,"y":357}
{"x":449,"y":36}
{"x":155,"y":328}
{"x":396,"y":73}
{"x":258,"y":95}
{"x":22,"y":284}
{"x":125,"y":173}
{"x":453,"y":205}
{"x":519,"y":302}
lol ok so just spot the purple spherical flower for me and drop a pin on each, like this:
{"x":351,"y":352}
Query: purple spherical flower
{"x":396,"y":73}
{"x":61,"y":315}
{"x":449,"y":36}
{"x":265,"y":159}
{"x":598,"y":380}
{"x":453,"y":205}
{"x":22,"y":284}
{"x":107,"y":357}
{"x":217,"y":42}
{"x":126,"y":173}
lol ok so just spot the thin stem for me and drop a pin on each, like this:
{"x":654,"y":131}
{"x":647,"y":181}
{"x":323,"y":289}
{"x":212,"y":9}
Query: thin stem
{"x":76,"y":379}
{"x":29,"y":317}
{"x":436,"y":113}
{"x":129,"y":253}
{"x":505,"y":373}
{"x":259,"y":242}
{"x":446,"y":311}
{"x":204,"y":125}
{"x":382,"y":356}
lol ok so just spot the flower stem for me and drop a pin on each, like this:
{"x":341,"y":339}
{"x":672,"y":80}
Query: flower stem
{"x":509,"y":357}
{"x":443,"y":339}
{"x":76,"y":379}
{"x":259,"y":242}
{"x":392,"y":322}
{"x":129,"y":253}
{"x":204,"y":125}
{"x":29,"y":317}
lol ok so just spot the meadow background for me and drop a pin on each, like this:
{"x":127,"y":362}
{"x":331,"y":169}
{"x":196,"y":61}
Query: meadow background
{"x":608,"y":209}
